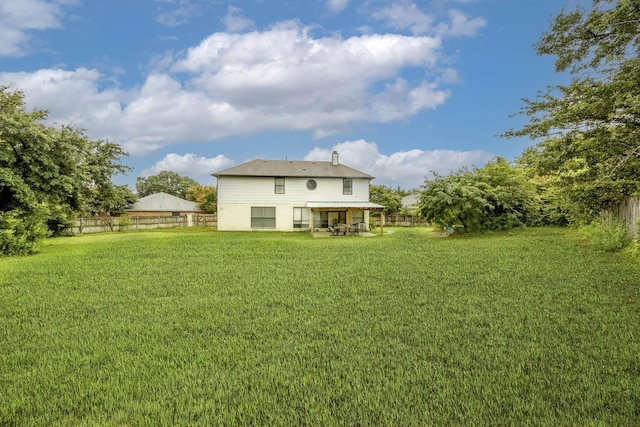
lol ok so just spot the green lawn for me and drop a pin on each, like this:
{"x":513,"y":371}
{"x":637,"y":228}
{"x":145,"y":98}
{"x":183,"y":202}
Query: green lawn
{"x":183,"y":327}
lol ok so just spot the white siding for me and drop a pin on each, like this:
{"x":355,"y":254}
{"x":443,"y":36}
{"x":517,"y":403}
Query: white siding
{"x":262,"y":190}
{"x":237,"y":217}
{"x":236,"y":196}
{"x":234,"y":217}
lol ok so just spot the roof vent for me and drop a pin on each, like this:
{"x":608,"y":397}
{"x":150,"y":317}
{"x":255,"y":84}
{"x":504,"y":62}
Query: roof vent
{"x":334,"y":158}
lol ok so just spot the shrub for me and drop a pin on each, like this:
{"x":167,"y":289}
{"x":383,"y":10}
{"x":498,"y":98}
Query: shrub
{"x":21,"y":233}
{"x":496,"y":197}
{"x":634,"y":249}
{"x":608,"y":234}
{"x":124,"y":221}
{"x":634,"y":246}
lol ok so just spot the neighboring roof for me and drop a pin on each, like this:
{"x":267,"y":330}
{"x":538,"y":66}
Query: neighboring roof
{"x":302,"y":169}
{"x":411,"y":200}
{"x":163,"y":202}
{"x":331,"y":205}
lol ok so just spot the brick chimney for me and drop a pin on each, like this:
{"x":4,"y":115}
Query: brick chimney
{"x":334,"y":158}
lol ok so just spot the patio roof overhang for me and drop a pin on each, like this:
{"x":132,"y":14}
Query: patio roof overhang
{"x":344,"y":205}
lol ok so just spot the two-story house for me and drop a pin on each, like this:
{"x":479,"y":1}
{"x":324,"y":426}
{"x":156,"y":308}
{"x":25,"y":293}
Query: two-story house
{"x":289,"y":195}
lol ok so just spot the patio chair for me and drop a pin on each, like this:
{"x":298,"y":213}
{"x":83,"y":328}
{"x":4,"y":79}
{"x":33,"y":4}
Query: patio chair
{"x":342,"y":229}
{"x":362,"y":227}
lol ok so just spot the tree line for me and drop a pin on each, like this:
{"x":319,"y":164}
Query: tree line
{"x":585,"y":160}
{"x":51,"y":175}
{"x":587,"y":156}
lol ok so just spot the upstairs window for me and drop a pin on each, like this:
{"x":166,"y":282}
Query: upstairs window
{"x":279,"y":185}
{"x":311,"y":184}
{"x":347,"y":186}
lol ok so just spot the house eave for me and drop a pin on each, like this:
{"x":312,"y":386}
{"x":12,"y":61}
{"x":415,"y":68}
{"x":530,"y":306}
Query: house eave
{"x":344,"y":205}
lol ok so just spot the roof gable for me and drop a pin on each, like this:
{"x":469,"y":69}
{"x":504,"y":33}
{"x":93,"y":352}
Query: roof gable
{"x":163,"y":202}
{"x":288,"y":168}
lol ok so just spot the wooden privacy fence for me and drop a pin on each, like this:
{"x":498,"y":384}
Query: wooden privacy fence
{"x":629,"y":212}
{"x":399,"y":220}
{"x":104,"y":224}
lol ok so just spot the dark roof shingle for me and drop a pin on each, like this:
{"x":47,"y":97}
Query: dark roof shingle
{"x":301,"y":169}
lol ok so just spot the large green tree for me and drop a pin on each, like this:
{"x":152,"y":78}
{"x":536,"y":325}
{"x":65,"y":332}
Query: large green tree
{"x":388,"y":197}
{"x":110,"y":200}
{"x":205,"y":195}
{"x":496,"y":197}
{"x":165,"y":182}
{"x":48,"y":175}
{"x":589,"y":130}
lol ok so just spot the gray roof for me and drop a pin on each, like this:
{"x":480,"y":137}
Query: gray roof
{"x":411,"y":200}
{"x":163,"y":202}
{"x":299,"y":168}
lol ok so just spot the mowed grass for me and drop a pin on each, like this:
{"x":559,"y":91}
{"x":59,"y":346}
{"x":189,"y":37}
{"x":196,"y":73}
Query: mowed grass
{"x":187,"y":327}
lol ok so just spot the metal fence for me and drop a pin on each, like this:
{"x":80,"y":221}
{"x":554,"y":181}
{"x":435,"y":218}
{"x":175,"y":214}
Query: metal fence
{"x":104,"y":224}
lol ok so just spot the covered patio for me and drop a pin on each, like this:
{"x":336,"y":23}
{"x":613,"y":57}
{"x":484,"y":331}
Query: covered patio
{"x":348,"y":217}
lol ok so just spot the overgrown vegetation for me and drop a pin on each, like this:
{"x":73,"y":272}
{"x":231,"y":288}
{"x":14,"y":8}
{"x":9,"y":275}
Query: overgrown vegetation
{"x":388,"y":197}
{"x":205,"y":195}
{"x":164,"y":182}
{"x":587,"y":132}
{"x":587,"y":156}
{"x":49,"y":175}
{"x":192,"y":327}
{"x":495,"y":197}
{"x":608,"y":234}
{"x":21,"y":233}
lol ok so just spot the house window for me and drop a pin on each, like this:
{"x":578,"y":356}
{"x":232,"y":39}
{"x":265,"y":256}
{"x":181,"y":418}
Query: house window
{"x":321,"y":219}
{"x":300,"y":218}
{"x":312,"y":184}
{"x":347,"y":186}
{"x":279,"y":185}
{"x":263,"y":217}
{"x":175,"y":213}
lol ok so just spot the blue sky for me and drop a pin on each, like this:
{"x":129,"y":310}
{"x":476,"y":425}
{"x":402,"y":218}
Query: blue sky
{"x":399,"y":88}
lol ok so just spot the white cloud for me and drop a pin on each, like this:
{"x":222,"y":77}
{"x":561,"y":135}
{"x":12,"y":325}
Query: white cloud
{"x":18,"y":18}
{"x":234,"y":21}
{"x":196,"y":167}
{"x":461,"y":25}
{"x":280,"y":79}
{"x":407,"y":169}
{"x":178,"y":13}
{"x":405,"y":15}
{"x":399,"y":101}
{"x":337,"y":5}
{"x":291,"y":81}
{"x":71,"y":96}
